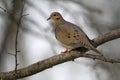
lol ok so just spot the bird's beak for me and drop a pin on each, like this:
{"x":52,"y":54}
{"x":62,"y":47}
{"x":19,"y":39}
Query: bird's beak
{"x":48,"y":18}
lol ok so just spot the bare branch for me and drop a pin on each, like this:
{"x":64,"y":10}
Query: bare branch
{"x":3,"y":9}
{"x":17,"y":32}
{"x":107,"y":37}
{"x":61,"y":58}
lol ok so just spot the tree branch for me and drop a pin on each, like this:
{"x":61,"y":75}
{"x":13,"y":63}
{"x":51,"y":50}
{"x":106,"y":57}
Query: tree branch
{"x":107,"y":37}
{"x":61,"y":58}
{"x":19,"y":20}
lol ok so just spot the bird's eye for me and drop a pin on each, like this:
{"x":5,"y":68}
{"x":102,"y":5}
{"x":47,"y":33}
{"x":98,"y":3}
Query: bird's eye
{"x":55,"y":15}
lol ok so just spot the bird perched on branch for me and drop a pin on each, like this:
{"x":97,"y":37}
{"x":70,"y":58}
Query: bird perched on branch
{"x":70,"y":35}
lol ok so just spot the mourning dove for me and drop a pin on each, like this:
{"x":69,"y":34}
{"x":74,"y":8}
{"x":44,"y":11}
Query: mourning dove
{"x":70,"y":35}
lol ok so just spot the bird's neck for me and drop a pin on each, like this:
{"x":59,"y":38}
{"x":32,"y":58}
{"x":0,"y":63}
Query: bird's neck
{"x":59,"y":22}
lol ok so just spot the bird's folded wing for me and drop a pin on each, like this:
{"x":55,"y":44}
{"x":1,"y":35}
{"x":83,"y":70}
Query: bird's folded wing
{"x":71,"y":35}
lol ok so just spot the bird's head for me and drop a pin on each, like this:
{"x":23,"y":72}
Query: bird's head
{"x":55,"y":16}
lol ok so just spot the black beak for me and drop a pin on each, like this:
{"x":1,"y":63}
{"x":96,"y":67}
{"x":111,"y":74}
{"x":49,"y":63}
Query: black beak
{"x":48,"y":18}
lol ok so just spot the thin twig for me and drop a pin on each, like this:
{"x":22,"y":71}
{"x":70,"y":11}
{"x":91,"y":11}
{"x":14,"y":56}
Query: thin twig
{"x":11,"y":54}
{"x":3,"y":9}
{"x":25,"y":15}
{"x":16,"y":38}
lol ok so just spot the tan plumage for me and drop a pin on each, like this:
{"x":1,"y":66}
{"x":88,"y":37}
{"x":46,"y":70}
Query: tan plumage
{"x":70,"y":35}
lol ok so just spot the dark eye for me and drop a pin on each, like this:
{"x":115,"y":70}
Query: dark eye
{"x":55,"y":15}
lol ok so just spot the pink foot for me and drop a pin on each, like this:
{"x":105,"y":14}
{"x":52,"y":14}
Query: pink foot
{"x":66,"y":51}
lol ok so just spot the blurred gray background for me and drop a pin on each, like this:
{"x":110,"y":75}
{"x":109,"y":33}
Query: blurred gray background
{"x":37,"y":41}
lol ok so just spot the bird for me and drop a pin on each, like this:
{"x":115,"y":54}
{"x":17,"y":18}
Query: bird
{"x":70,"y":35}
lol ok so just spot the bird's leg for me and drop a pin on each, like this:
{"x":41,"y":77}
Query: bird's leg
{"x":66,"y":51}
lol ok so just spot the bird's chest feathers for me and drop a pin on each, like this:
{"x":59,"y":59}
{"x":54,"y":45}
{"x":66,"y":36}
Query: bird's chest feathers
{"x":64,"y":35}
{"x":60,"y":34}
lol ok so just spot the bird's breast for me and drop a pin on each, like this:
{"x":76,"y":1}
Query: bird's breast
{"x":62,"y":36}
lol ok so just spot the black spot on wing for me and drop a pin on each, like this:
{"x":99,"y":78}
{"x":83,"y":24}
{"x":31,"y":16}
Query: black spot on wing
{"x":74,"y":36}
{"x":68,"y":35}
